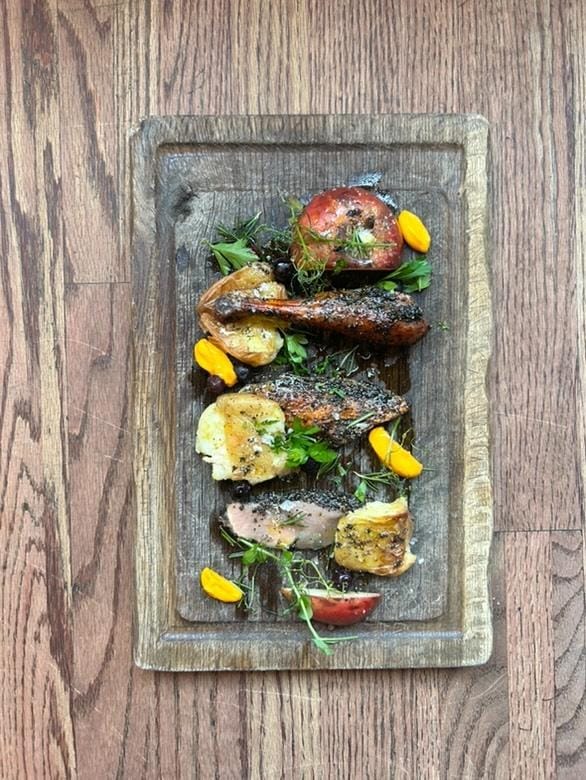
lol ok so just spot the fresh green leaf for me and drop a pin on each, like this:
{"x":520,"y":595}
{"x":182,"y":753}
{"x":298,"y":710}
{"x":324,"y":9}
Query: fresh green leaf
{"x":301,"y":443}
{"x":361,"y":491}
{"x":293,"y":352}
{"x":387,"y":285}
{"x":232,"y":256}
{"x":412,"y":276}
{"x":321,"y":453}
{"x":295,"y":343}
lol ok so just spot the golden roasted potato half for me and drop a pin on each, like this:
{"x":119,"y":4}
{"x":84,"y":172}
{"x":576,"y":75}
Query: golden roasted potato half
{"x":253,"y":340}
{"x":235,"y":434}
{"x":375,"y":539}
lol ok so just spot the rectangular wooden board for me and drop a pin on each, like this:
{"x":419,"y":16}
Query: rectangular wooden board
{"x":191,"y":172}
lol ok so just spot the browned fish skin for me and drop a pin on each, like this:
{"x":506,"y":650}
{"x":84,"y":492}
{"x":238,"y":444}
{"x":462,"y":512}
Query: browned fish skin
{"x":343,"y":408}
{"x":367,"y":314}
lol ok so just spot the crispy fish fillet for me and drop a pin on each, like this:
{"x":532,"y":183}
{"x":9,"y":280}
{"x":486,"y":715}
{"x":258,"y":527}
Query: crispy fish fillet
{"x":343,"y":408}
{"x":367,"y":314}
{"x":304,"y":518}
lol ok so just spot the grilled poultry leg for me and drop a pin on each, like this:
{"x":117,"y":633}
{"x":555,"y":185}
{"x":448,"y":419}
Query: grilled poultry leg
{"x":368,"y":314}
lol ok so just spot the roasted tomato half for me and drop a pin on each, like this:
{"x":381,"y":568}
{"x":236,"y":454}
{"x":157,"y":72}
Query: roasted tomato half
{"x":347,"y":228}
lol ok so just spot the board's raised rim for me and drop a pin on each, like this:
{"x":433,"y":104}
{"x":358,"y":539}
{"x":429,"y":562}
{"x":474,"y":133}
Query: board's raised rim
{"x":157,"y":647}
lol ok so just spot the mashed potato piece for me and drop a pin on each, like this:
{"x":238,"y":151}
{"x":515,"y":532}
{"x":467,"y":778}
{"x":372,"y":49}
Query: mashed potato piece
{"x":235,"y":435}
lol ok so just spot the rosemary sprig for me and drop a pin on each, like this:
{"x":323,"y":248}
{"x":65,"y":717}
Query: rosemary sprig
{"x":246,"y":230}
{"x":371,"y":481}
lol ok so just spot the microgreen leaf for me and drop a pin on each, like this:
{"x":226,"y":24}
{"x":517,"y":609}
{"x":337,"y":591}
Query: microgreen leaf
{"x":293,"y":352}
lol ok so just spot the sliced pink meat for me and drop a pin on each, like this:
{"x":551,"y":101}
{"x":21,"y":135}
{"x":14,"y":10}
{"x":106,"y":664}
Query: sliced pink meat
{"x":306,"y":519}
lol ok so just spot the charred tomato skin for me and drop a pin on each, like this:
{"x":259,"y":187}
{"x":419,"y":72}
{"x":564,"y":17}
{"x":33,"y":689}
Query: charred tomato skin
{"x":336,"y":215}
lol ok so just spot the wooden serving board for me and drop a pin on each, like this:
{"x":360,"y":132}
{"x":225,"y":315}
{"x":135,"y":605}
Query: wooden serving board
{"x":189,"y":173}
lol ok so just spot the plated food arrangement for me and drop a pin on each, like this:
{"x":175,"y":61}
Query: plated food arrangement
{"x":282,"y":328}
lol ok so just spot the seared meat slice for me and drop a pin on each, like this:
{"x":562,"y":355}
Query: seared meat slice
{"x":367,"y":314}
{"x":375,"y":539}
{"x":343,"y":408}
{"x":304,"y":518}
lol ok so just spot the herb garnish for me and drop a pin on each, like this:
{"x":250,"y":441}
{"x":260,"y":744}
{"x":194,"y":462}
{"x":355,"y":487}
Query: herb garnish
{"x":236,"y":250}
{"x":371,"y":481}
{"x":296,"y":572}
{"x":412,"y":276}
{"x":246,"y":230}
{"x":302,"y":443}
{"x":296,"y":519}
{"x":293,"y":352}
{"x":232,"y":256}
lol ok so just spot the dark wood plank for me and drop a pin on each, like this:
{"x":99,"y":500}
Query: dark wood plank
{"x":173,"y":516}
{"x":430,"y":187}
{"x":36,"y":731}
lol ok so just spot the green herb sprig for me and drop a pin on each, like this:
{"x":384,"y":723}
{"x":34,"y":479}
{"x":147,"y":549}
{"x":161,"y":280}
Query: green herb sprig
{"x":301,"y":443}
{"x":293,"y":352}
{"x":236,"y":250}
{"x":371,"y":481}
{"x":297,"y":573}
{"x":412,"y":276}
{"x":231,"y":256}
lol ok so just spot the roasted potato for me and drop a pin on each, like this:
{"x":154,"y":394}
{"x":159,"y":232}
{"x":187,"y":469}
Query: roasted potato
{"x":375,"y":539}
{"x":253,"y":340}
{"x":235,"y":433}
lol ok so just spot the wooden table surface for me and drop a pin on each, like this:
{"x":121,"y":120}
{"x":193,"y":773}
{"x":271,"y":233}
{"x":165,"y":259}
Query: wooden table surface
{"x":74,"y":76}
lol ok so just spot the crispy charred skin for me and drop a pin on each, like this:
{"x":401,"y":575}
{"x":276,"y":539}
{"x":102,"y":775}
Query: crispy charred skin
{"x":368,"y":314}
{"x":344,"y":409}
{"x":325,"y":228}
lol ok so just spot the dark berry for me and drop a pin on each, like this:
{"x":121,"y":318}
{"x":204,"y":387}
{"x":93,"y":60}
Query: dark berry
{"x":215,"y":385}
{"x":311,"y":466}
{"x":342,"y":580}
{"x":241,"y":489}
{"x":283,"y":271}
{"x":242,"y":372}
